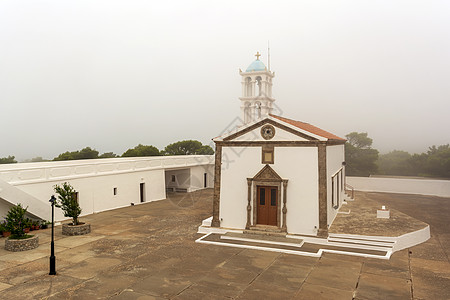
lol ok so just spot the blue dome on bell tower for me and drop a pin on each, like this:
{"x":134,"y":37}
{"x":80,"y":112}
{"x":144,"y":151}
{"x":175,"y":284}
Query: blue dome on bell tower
{"x":257,"y":65}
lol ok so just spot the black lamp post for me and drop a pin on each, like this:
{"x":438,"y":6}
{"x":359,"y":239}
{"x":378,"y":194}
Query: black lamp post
{"x":52,"y":245}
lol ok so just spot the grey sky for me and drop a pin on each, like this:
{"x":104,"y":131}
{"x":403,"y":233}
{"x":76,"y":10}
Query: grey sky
{"x":112,"y":74}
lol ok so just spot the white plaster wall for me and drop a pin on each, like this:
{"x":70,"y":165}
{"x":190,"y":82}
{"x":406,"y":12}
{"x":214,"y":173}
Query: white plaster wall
{"x":94,"y":179}
{"x":335,"y":157}
{"x":300,"y":166}
{"x":297,"y":164}
{"x":96,"y":193}
{"x":197,"y":177}
{"x":238,"y":163}
{"x":431,"y":187}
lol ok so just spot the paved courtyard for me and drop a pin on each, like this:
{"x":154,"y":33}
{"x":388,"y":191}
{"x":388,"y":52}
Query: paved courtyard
{"x":148,"y":252}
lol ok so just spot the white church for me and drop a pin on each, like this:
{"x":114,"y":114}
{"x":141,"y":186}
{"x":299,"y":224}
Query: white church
{"x":274,"y":174}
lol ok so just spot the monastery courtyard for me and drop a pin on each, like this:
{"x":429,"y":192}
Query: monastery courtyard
{"x":148,"y":252}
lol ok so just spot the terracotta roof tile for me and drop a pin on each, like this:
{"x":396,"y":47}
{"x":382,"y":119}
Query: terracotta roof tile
{"x":310,"y":128}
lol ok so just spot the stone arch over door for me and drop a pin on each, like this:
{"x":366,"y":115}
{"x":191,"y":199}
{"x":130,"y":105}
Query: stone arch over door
{"x":267,"y":177}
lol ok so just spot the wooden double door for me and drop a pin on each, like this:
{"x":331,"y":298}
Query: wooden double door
{"x":267,"y":203}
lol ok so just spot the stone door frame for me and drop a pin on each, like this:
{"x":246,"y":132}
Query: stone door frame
{"x":266,"y":177}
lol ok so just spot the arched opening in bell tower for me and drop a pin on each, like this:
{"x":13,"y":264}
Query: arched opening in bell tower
{"x":257,"y":114}
{"x":248,"y":87}
{"x":247,"y":113}
{"x":259,"y":84}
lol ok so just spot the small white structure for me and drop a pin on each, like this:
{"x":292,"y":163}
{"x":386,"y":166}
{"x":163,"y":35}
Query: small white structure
{"x":383,"y":213}
{"x":274,"y":173}
{"x":102,"y":184}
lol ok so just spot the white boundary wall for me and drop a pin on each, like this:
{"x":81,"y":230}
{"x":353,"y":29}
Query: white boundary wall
{"x":31,"y":184}
{"x":431,"y":187}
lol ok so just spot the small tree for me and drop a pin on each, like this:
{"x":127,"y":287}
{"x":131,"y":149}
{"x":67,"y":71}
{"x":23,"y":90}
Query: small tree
{"x":68,"y":202}
{"x":15,"y":221}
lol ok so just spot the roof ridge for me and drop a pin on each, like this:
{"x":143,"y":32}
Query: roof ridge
{"x":309,"y":127}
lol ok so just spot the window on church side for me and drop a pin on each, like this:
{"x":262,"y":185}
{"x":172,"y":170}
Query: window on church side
{"x":114,"y":191}
{"x":173,"y":178}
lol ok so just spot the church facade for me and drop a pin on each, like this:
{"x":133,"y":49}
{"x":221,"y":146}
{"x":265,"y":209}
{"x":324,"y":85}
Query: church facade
{"x":273,"y":173}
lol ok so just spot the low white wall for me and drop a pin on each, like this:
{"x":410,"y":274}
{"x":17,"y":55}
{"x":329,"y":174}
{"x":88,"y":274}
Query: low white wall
{"x":95,"y":180}
{"x":431,"y":187}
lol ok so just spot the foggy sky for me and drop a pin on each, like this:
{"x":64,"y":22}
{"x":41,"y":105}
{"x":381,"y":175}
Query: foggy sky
{"x":113,"y":74}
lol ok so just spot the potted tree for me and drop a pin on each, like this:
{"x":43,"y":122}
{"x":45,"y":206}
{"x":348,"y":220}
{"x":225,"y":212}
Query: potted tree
{"x":15,"y":223}
{"x":71,"y":208}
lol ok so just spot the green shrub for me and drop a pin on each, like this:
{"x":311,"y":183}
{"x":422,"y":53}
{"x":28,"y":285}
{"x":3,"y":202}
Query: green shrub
{"x":67,"y":201}
{"x":15,"y":221}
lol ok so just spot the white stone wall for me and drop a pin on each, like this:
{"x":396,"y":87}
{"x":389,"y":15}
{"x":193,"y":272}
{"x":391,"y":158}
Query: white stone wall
{"x":297,"y":164}
{"x":431,"y":187}
{"x":95,"y":180}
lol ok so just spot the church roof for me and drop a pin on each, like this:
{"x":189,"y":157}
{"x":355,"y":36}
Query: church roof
{"x":310,"y":128}
{"x":257,"y":65}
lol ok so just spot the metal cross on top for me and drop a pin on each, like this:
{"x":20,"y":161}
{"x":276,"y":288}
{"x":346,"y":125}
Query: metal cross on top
{"x":257,"y":55}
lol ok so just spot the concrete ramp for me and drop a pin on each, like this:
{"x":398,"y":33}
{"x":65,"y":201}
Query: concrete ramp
{"x":10,"y":196}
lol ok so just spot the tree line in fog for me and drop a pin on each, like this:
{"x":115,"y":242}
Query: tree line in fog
{"x":362,"y":160}
{"x":188,"y":147}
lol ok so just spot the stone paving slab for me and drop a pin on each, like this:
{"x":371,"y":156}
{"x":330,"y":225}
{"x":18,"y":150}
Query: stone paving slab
{"x":150,"y":253}
{"x":320,"y":292}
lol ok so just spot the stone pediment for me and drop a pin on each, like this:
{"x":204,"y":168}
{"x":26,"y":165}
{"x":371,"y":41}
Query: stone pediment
{"x":282,"y":132}
{"x":267,"y":174}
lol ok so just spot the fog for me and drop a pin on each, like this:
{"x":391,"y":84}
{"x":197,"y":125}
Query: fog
{"x":113,"y":74}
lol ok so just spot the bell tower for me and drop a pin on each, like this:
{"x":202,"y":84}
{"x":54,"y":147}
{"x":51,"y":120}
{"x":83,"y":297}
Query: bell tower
{"x":256,"y":99}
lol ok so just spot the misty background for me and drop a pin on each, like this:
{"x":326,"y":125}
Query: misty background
{"x":113,"y":74}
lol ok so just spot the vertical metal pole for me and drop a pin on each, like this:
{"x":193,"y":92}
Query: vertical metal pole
{"x":52,"y":245}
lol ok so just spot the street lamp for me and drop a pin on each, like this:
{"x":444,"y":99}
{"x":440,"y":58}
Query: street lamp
{"x":52,"y":245}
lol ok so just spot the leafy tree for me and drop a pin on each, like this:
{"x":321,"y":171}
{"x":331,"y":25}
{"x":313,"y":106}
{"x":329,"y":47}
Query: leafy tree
{"x":359,"y":156}
{"x":142,"y":150}
{"x":8,"y":160}
{"x":85,"y":153}
{"x":438,"y":161}
{"x":359,"y":140}
{"x":189,"y":147}
{"x":68,"y":202}
{"x":395,"y":163}
{"x":108,"y":155}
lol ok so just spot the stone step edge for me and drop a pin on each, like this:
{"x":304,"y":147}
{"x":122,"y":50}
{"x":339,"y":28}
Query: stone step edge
{"x":364,"y":238}
{"x":361,"y":242}
{"x":317,"y":254}
{"x":244,"y":239}
{"x":361,"y":245}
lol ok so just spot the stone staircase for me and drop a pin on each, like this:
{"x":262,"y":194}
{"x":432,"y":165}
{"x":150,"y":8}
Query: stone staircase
{"x":362,"y":242}
{"x":265,"y":230}
{"x":11,"y":196}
